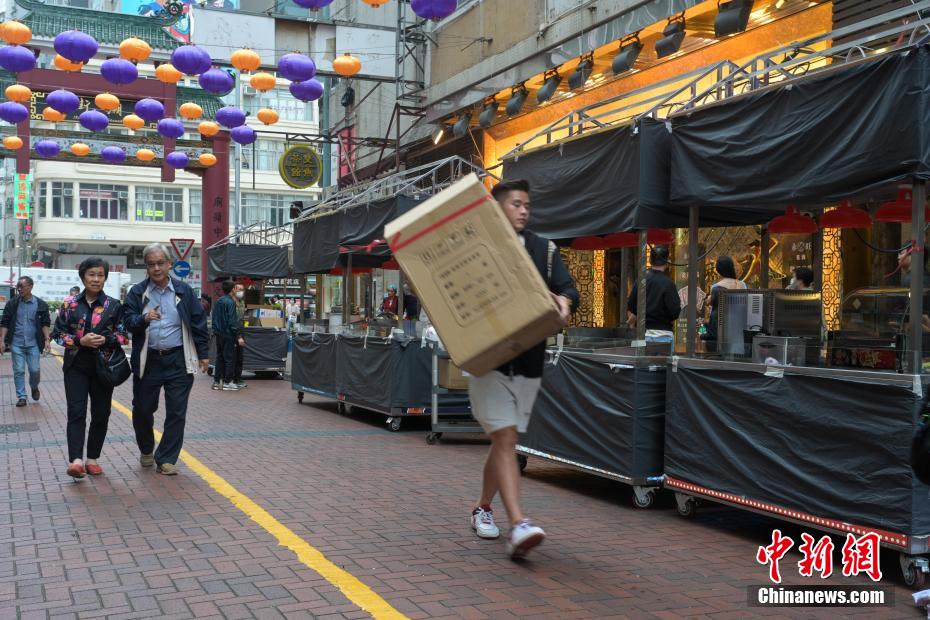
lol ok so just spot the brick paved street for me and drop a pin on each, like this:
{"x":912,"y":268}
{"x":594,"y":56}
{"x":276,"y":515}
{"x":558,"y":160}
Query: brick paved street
{"x":386,"y":507}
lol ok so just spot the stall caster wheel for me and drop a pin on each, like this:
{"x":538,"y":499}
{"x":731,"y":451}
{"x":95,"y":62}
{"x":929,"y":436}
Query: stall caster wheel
{"x":643,"y":497}
{"x":687,"y":505}
{"x":394,"y":424}
{"x":341,"y":408}
{"x":432,"y":438}
{"x":915,"y":570}
{"x":521,"y":462}
{"x":300,"y":397}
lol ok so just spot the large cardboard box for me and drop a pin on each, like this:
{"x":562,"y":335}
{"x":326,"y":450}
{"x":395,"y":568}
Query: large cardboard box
{"x":451,"y":376}
{"x":473,"y":276}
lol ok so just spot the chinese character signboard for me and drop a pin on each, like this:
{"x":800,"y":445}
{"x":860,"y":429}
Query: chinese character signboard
{"x":300,"y":166}
{"x":21,"y":189}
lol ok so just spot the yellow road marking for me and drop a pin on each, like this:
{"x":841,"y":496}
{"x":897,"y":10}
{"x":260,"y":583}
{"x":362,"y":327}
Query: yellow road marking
{"x":353,"y":589}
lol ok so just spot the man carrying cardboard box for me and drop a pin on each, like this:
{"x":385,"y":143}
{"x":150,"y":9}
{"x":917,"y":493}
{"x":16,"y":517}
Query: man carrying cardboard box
{"x":502,"y":400}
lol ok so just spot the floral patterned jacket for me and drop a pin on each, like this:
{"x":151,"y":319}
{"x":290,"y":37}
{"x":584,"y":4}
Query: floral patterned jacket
{"x":76,"y":318}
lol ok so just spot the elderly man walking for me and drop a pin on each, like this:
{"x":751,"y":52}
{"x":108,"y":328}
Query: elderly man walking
{"x":169,"y":341}
{"x":24,"y":329}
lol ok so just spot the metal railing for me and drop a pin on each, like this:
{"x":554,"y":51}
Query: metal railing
{"x":259,"y":233}
{"x":725,"y":79}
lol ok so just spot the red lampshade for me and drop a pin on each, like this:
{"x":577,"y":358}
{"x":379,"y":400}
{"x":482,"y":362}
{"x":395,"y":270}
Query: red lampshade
{"x":338,"y":271}
{"x":845,"y":216}
{"x":658,"y":236}
{"x":391,"y":264}
{"x":622,"y":240}
{"x":792,"y":223}
{"x":655,"y":236}
{"x":899,"y":210}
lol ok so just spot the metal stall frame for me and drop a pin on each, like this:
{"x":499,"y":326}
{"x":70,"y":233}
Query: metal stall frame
{"x":447,"y":419}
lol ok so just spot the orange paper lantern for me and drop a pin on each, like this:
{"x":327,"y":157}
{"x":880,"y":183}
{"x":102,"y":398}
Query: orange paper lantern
{"x":145,"y":155}
{"x":52,"y":115}
{"x":245,"y":60}
{"x":263,"y":81}
{"x":80,"y":149}
{"x":135,"y":49}
{"x":106,"y":102}
{"x":347,"y":65}
{"x":16,"y":33}
{"x":207,"y":159}
{"x":13,"y":142}
{"x":208,"y":128}
{"x":18,"y":92}
{"x":168,"y":74}
{"x":63,"y":64}
{"x":375,"y":3}
{"x":131,"y":121}
{"x":268,"y":116}
{"x":190,"y":111}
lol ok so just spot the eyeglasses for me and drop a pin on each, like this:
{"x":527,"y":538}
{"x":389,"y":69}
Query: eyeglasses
{"x":160,"y":263}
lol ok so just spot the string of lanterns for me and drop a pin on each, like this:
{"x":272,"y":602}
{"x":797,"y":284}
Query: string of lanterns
{"x":74,"y":49}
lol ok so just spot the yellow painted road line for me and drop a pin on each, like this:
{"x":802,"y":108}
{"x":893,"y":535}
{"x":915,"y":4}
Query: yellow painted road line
{"x":353,"y":589}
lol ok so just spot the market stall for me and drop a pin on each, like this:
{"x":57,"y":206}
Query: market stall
{"x":824,"y":446}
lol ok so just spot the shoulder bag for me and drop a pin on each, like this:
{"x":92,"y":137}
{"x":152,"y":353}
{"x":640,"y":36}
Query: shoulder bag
{"x":112,"y":369}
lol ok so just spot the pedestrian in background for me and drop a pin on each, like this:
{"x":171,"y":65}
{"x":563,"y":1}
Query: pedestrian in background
{"x":88,"y":323}
{"x":24,"y":329}
{"x":225,"y":324}
{"x":239,"y":297}
{"x":502,"y":400}
{"x":169,"y":341}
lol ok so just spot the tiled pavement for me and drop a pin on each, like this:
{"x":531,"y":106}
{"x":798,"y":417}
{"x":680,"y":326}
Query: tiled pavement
{"x":384,"y":506}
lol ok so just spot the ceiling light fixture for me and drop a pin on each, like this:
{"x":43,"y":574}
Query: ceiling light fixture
{"x":732,"y":17}
{"x":462,"y":125}
{"x":518,"y":96}
{"x":581,"y":74}
{"x":672,"y":37}
{"x":551,"y":81}
{"x":488,"y":114}
{"x":439,"y":134}
{"x":627,"y":54}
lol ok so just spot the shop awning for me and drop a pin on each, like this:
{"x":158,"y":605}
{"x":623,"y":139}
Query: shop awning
{"x":247,"y":260}
{"x":324,"y":243}
{"x":608,"y":181}
{"x":845,"y":132}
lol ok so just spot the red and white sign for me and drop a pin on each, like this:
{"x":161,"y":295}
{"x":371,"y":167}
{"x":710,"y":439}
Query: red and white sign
{"x":182,"y":247}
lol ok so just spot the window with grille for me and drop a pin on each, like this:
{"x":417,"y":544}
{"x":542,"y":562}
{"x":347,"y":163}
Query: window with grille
{"x":159,"y":204}
{"x":196,"y":204}
{"x":288,"y":107}
{"x":103,"y":202}
{"x":62,"y":200}
{"x":270,"y":208}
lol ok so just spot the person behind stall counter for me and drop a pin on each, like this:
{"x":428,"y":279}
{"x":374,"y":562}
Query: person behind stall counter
{"x":726,"y":269}
{"x":802,"y":279}
{"x":663,"y":305}
{"x":502,"y":400}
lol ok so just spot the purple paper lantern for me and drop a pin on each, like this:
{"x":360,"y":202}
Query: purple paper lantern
{"x":94,"y":120}
{"x":177,"y":159}
{"x":16,"y":58}
{"x":191,"y":60}
{"x":311,"y":90}
{"x":313,"y":5}
{"x":13,"y":112}
{"x":230,"y":117}
{"x":243,"y":134}
{"x":63,"y":101}
{"x":76,"y":46}
{"x":113,"y":154}
{"x":119,"y":71}
{"x":149,"y":110}
{"x":433,"y":9}
{"x":47,"y":148}
{"x":296,"y":67}
{"x":216,"y":81}
{"x":170,"y":128}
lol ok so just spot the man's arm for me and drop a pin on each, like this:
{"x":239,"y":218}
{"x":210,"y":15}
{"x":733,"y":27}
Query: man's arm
{"x":672,"y":301}
{"x":562,"y":284}
{"x":198,"y":326}
{"x":133,"y":319}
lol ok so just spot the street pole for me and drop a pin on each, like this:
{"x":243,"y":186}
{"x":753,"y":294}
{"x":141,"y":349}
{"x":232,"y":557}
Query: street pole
{"x":237,"y":162}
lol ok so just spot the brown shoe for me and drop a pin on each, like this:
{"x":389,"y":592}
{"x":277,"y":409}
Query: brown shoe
{"x":147,"y":460}
{"x":93,"y":469}
{"x":167,"y":469}
{"x":76,"y":470}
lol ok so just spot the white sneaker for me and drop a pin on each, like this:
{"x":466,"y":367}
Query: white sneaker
{"x":230,"y":387}
{"x":523,"y":537}
{"x":482,"y":521}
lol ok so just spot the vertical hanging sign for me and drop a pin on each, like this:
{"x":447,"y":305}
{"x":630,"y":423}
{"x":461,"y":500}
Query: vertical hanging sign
{"x":21,"y":192}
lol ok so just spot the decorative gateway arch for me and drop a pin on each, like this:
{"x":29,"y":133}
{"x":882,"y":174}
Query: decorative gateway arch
{"x":215,"y":178}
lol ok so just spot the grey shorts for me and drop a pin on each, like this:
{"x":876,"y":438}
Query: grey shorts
{"x":499,"y":401}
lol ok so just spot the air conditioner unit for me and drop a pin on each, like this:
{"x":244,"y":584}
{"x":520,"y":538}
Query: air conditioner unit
{"x":248,"y":90}
{"x":124,"y":194}
{"x":137,"y":255}
{"x":68,"y":191}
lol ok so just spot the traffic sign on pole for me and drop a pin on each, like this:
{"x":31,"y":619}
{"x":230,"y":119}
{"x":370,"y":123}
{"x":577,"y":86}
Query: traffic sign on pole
{"x":182,"y":269}
{"x":182,"y":248}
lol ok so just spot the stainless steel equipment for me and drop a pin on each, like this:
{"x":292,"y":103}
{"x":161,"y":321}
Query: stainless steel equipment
{"x":785,"y":351}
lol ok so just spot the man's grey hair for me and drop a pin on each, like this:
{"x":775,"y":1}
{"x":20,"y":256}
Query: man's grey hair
{"x":152,"y":249}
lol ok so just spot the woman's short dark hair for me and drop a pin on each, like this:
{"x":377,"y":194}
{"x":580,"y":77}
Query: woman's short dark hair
{"x":90,"y":263}
{"x":228,"y":285}
{"x":503,"y":188}
{"x":725,"y":267}
{"x":804,"y":274}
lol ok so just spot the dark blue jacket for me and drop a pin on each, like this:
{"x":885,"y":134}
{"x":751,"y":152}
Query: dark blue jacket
{"x":189,"y":309}
{"x":225,"y":319}
{"x":43,"y":319}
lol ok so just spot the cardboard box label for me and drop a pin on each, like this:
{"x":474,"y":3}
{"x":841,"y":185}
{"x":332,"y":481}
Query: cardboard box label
{"x":472,"y":283}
